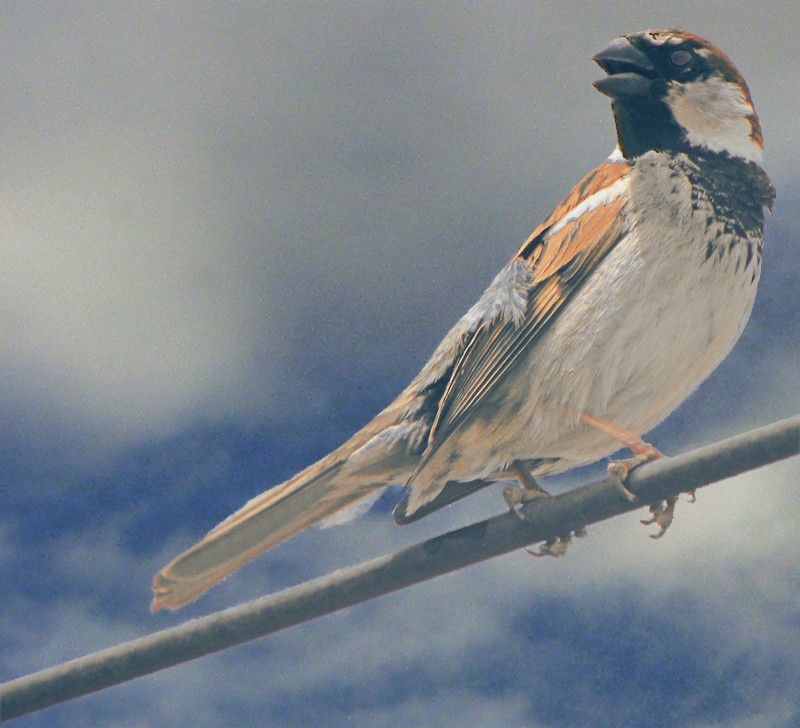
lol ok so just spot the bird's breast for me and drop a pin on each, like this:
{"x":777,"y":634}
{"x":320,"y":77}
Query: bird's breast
{"x":649,"y":325}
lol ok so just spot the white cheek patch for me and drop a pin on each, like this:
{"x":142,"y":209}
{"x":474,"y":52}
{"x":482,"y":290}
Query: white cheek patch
{"x":714,"y":113}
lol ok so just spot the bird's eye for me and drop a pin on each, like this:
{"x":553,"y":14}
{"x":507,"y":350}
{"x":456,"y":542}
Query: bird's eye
{"x":680,"y":57}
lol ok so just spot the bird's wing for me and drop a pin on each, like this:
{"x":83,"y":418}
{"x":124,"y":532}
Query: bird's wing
{"x":560,"y":254}
{"x":470,"y":360}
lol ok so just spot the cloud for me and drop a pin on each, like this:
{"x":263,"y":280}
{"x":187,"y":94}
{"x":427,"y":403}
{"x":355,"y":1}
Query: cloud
{"x":231,"y":233}
{"x":215,"y":223}
{"x":527,"y":638}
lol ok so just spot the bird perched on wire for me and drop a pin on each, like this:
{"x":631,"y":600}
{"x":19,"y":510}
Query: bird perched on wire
{"x":610,"y":314}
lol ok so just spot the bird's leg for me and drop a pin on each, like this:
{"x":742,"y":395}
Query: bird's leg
{"x":618,"y":470}
{"x":515,"y":496}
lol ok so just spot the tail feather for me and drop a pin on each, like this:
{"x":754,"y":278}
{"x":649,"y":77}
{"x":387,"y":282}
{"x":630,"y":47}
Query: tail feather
{"x":374,"y":457}
{"x":265,"y":521}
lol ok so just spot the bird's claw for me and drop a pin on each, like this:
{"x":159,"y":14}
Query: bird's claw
{"x":557,"y":547}
{"x":663,"y":513}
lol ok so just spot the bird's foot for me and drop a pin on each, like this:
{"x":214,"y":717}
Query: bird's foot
{"x":557,"y":546}
{"x":618,"y":471}
{"x":516,"y":496}
{"x":663,"y":513}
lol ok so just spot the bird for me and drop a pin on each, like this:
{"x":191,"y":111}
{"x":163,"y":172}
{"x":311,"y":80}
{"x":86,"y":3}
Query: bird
{"x":611,"y":313}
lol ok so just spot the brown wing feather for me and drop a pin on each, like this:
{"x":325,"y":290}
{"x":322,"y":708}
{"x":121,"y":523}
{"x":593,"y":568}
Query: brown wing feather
{"x":560,"y":261}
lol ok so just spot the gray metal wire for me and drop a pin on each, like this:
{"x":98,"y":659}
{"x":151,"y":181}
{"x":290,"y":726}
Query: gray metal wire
{"x":545,"y":519}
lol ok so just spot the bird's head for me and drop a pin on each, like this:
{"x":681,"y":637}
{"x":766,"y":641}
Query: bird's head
{"x":672,"y":89}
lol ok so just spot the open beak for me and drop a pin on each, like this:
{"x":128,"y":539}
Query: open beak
{"x":630,"y":72}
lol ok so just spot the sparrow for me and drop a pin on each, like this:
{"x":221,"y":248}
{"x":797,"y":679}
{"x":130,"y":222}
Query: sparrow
{"x":619,"y":304}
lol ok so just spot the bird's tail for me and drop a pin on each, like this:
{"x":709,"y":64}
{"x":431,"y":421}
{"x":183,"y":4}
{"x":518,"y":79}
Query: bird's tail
{"x":373,"y":458}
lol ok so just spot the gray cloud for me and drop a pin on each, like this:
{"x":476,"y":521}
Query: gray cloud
{"x":220,"y":213}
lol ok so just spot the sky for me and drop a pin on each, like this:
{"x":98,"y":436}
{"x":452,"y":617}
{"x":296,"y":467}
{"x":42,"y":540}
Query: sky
{"x":231,"y":234}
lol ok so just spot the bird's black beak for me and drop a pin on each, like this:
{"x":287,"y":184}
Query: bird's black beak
{"x":630,"y":72}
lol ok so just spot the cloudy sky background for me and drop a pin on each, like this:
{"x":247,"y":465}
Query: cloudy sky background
{"x":231,"y":234}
